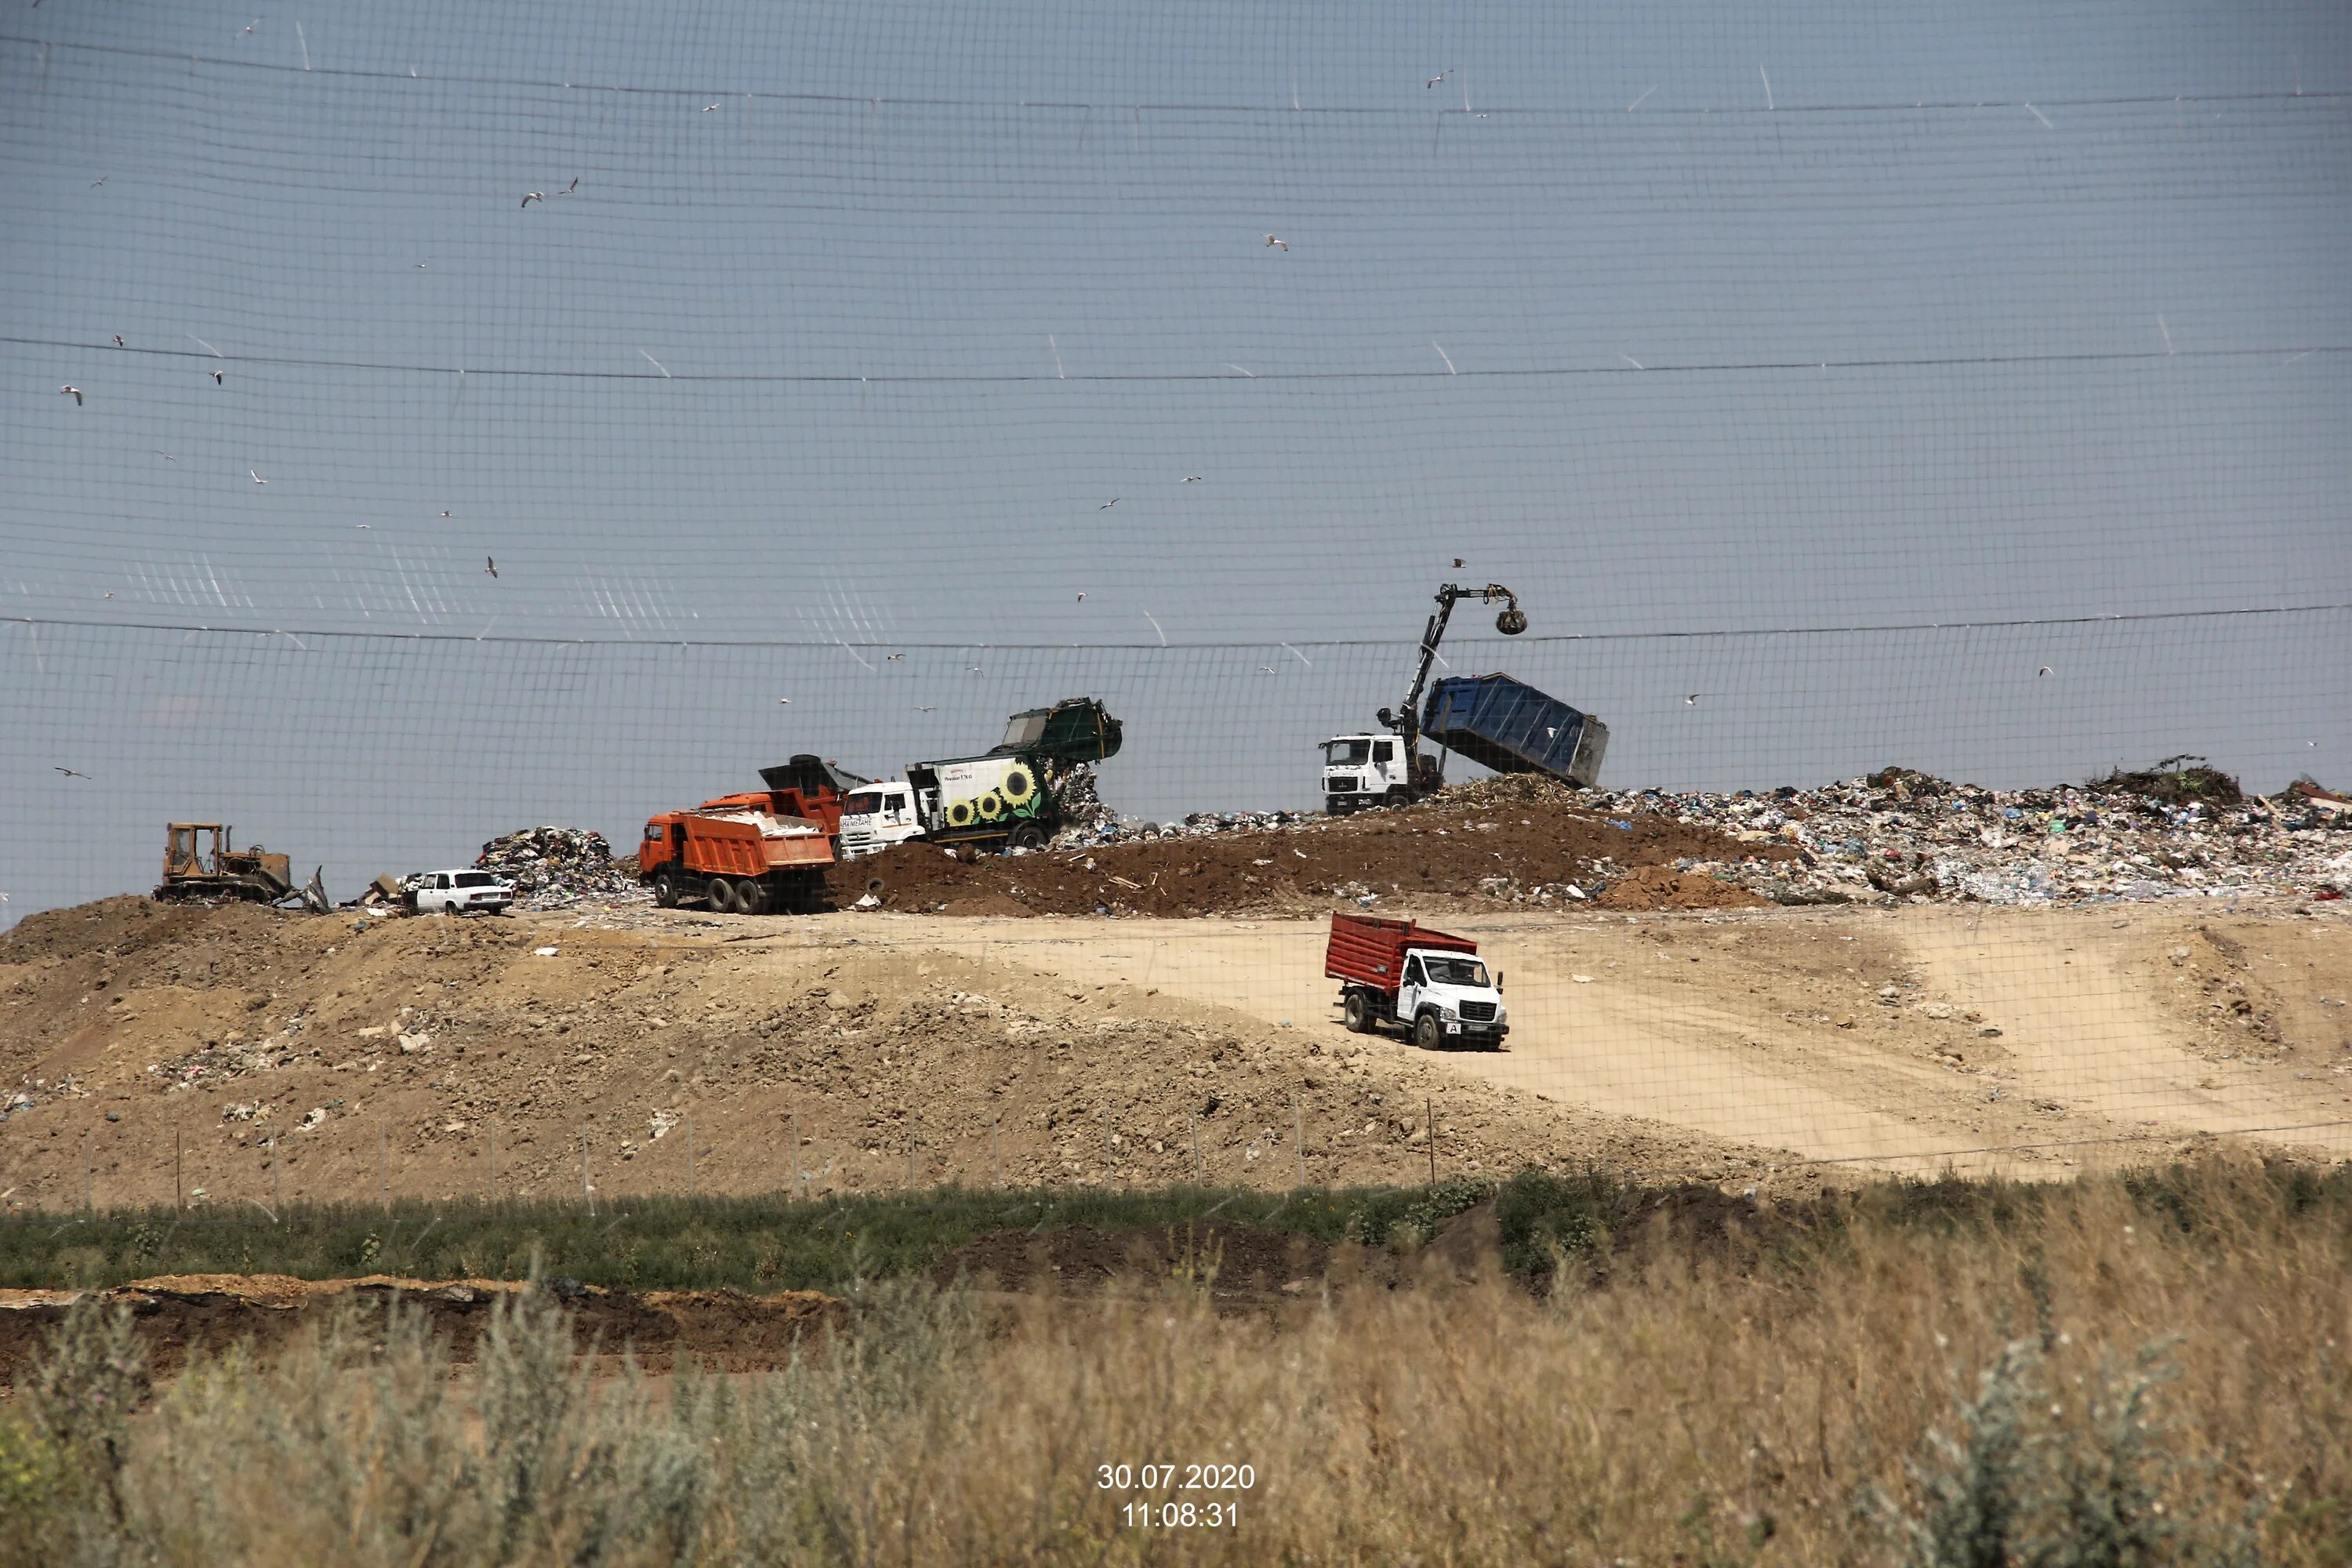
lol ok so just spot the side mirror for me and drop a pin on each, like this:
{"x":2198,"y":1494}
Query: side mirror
{"x":1499,"y":981}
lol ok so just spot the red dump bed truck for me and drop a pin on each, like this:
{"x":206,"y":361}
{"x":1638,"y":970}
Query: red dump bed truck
{"x":1395,"y":973}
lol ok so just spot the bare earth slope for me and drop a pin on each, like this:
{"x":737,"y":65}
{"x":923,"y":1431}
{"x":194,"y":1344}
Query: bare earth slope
{"x":1720,"y":1046}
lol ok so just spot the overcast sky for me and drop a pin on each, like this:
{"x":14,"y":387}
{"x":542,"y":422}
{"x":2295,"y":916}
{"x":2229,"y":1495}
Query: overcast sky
{"x":896,"y":325}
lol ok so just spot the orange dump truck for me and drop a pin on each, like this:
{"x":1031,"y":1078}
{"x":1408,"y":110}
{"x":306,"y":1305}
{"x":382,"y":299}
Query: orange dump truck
{"x":752,"y":853}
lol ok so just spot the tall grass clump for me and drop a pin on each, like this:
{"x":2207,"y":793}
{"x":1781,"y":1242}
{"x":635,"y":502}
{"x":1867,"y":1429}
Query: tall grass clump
{"x":2112,"y":1374}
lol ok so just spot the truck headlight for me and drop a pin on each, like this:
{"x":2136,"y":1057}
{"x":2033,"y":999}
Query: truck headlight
{"x":1451,"y":1015}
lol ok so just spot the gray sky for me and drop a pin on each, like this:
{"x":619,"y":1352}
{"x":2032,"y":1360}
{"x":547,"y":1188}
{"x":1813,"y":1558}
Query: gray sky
{"x":1674,"y":320}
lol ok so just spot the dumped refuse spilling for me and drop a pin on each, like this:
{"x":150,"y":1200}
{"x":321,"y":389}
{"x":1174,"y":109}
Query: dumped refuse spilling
{"x":552,"y":867}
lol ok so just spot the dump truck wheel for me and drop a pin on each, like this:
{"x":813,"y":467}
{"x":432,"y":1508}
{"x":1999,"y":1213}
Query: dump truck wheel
{"x":664,"y":890}
{"x":1428,"y":1033}
{"x":1358,"y":1012}
{"x":722,"y":895}
{"x":750,"y":897}
{"x":1399,"y":798}
{"x":1028,"y":835}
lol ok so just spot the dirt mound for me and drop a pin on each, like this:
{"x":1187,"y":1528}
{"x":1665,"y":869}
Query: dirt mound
{"x":120,"y":927}
{"x":1497,"y":842}
{"x":1663,"y":888}
{"x":208,"y":1314}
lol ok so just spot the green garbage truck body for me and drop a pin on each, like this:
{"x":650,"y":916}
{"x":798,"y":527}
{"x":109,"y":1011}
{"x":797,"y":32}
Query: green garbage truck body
{"x":1008,"y":797}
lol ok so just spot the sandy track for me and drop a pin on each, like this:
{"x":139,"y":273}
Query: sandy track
{"x":1771,"y":1026}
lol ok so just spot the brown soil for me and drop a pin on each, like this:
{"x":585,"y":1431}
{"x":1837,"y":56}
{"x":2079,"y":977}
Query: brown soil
{"x":189,"y":1315}
{"x":1443,"y":850}
{"x":1236,"y":1262}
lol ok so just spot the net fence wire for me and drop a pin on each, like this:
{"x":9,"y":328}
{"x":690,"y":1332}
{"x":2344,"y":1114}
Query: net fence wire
{"x":422,"y":423}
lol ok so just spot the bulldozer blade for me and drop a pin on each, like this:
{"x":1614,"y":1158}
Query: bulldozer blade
{"x":314,"y":892}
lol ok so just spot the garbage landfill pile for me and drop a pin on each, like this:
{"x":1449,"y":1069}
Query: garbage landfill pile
{"x":1900,"y":835}
{"x":1084,"y":815}
{"x":1089,"y":824}
{"x":552,"y":867}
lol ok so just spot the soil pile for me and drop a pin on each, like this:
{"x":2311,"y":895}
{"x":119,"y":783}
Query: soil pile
{"x":1500,"y":843}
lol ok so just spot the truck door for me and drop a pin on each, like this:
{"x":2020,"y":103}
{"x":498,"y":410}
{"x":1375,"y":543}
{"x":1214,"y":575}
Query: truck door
{"x":1410,"y":988}
{"x":1384,"y":762}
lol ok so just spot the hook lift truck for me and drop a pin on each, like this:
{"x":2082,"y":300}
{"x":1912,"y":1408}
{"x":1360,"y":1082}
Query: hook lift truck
{"x":1504,"y":723}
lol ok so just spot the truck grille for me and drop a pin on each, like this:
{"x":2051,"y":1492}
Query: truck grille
{"x":1477,"y":1012}
{"x":1340,"y":786}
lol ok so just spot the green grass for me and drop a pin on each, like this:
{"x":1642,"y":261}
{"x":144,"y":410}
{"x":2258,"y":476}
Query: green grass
{"x":766,"y":1244}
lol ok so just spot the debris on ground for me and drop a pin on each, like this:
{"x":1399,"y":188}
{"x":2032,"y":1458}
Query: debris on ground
{"x":553,"y":867}
{"x":2169,"y":832}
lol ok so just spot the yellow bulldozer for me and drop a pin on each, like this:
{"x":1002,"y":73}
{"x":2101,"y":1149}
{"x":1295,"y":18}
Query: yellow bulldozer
{"x":201,"y":861}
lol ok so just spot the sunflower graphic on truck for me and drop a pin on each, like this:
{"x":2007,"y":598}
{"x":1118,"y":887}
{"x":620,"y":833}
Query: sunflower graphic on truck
{"x":1006,"y":798}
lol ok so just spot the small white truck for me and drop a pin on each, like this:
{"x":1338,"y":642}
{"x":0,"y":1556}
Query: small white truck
{"x":1400,"y":974}
{"x":459,"y":893}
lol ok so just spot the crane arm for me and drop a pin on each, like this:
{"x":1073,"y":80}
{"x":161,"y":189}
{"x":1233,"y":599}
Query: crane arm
{"x":1406,"y":722}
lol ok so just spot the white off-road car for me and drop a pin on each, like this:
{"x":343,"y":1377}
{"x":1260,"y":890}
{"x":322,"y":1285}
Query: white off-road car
{"x":460,"y":893}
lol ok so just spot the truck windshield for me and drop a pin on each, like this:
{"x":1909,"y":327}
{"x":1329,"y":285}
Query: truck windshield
{"x":1352,"y":753}
{"x":1026,"y":730}
{"x":1456,"y":972}
{"x":865,"y":803}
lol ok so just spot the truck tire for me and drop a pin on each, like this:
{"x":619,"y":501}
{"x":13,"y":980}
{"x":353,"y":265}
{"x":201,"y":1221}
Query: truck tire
{"x":1428,"y":1033}
{"x":1359,"y":1014}
{"x":665,"y":890}
{"x":722,"y":894}
{"x":750,"y":897}
{"x":1028,"y":835}
{"x":1399,"y":797}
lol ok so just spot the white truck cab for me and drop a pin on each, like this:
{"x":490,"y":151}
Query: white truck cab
{"x":461,"y":892}
{"x":1362,"y":771}
{"x":1451,"y":996}
{"x":875,"y":816}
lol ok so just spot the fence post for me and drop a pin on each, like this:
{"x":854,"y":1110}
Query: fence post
{"x":995,"y":1154}
{"x":88,"y":1177}
{"x":277,"y":1188}
{"x":1429,"y":1124}
{"x":383,"y":1170}
{"x":689,"y":1156}
{"x":586,"y":1191}
{"x":1298,"y":1135}
{"x":1111,"y":1166}
{"x":179,"y":1192}
{"x":797,"y":1192}
{"x":1192,"y":1123}
{"x":494,"y":1163}
{"x":910,"y":1159}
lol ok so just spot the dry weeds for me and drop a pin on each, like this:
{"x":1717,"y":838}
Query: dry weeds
{"x":2087,"y":1381}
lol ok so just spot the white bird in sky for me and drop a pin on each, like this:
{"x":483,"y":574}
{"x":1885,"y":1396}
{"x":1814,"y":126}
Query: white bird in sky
{"x":1432,"y":82}
{"x":1191,"y":479}
{"x":100,"y":181}
{"x":255,"y":475}
{"x":119,"y":343}
{"x":1110,"y":503}
{"x":70,"y":773}
{"x":1279,"y":243}
{"x":1082,"y":598}
{"x":1692,"y":700}
{"x":972,"y":669}
{"x":1265,"y":669}
{"x":72,"y":392}
{"x":2042,"y":671}
{"x":932,"y":709}
{"x":708,"y":107}
{"x":892,"y":658}
{"x":534,"y":197}
{"x":445,"y":514}
{"x":249,"y":27}
{"x":167,"y":457}
{"x":570,"y":188}
{"x":216,"y":378}
{"x":784,"y":702}
{"x":490,"y":564}
{"x":367,"y":526}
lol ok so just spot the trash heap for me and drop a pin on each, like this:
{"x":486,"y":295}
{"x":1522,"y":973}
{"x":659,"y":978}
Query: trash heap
{"x":552,"y":867}
{"x":1901,"y":836}
{"x":1084,"y":815}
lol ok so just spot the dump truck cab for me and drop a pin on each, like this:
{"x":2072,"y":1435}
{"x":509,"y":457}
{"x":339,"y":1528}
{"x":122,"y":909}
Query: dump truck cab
{"x":1360,"y":770}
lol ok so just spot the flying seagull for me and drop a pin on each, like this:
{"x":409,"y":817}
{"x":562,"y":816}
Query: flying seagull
{"x":892,"y":658}
{"x":1457,"y":563}
{"x":1265,"y":669}
{"x":249,"y":27}
{"x":1432,"y":82}
{"x":784,"y":702}
{"x":1110,"y":503}
{"x":490,"y":564}
{"x":534,"y":197}
{"x":445,"y":514}
{"x":932,"y":709}
{"x":72,"y":392}
{"x":1191,"y":479}
{"x":256,"y":477}
{"x":167,"y":457}
{"x":1692,"y":700}
{"x":2044,"y":670}
{"x":1279,"y":244}
{"x":216,"y":378}
{"x":570,"y":188}
{"x":71,"y":774}
{"x":1082,"y":598}
{"x":119,"y":343}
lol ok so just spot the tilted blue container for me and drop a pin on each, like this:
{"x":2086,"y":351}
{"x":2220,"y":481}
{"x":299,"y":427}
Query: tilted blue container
{"x":1512,"y":728}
